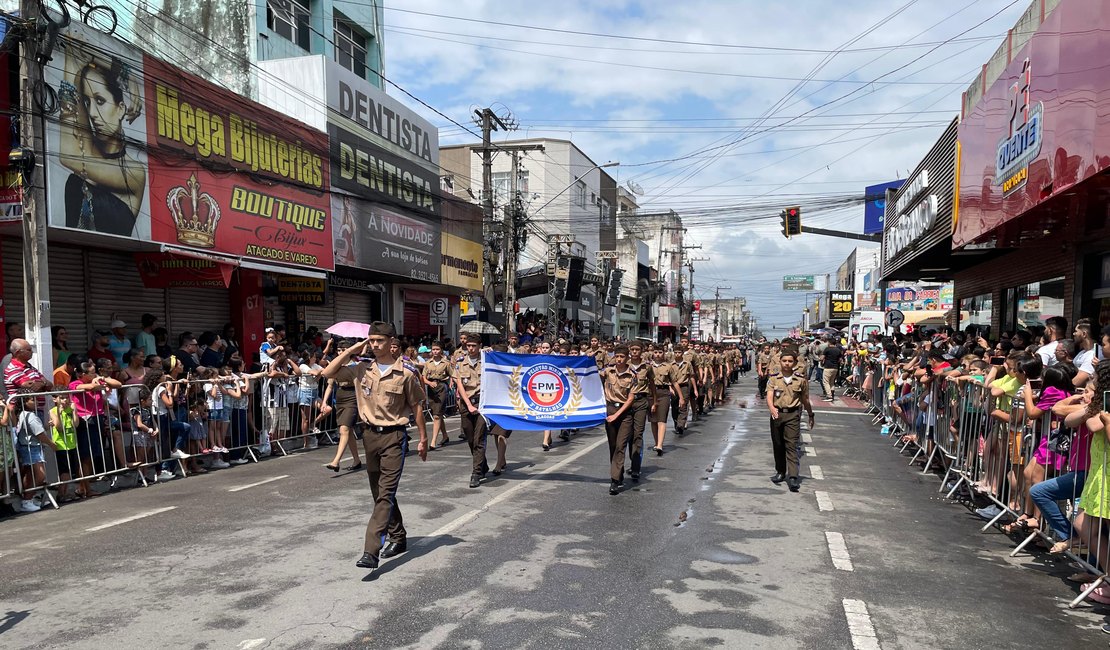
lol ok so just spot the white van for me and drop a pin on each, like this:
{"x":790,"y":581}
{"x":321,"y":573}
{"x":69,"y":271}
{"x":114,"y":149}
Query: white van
{"x":863,"y":324}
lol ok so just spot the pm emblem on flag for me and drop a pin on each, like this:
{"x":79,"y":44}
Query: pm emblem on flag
{"x":537,"y":392}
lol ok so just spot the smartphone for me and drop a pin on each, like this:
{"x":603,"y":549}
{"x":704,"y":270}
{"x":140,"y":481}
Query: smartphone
{"x":998,"y":361}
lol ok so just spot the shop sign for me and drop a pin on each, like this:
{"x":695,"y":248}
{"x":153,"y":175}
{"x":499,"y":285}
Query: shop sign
{"x":874,"y":206}
{"x":797,"y":283}
{"x":371,"y":236}
{"x":211,"y":170}
{"x":840,"y":304}
{"x":11,"y":191}
{"x":917,"y":212}
{"x":364,"y":169}
{"x":1039,"y":129}
{"x":351,"y":284}
{"x":164,"y":270}
{"x":301,"y":291}
{"x":462,"y":262}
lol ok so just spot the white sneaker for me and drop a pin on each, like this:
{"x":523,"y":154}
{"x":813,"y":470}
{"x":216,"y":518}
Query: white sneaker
{"x":178,"y":454}
{"x":239,"y":461}
{"x":219,"y":464}
{"x":223,"y":450}
{"x":29,"y":506}
{"x":316,"y":431}
{"x":165,"y":475}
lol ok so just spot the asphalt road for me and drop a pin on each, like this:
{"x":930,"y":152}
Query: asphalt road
{"x":703,"y":552}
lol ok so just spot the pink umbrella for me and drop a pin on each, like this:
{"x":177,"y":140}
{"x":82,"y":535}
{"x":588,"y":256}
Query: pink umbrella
{"x":349,"y":330}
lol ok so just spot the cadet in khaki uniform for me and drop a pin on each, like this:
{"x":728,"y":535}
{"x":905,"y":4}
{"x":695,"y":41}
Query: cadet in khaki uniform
{"x":643,"y":405}
{"x":437,"y":372}
{"x":763,"y":368}
{"x":386,"y":393}
{"x":788,"y":394}
{"x":468,"y":385}
{"x":666,"y":385}
{"x":616,"y":382}
{"x":683,"y":373}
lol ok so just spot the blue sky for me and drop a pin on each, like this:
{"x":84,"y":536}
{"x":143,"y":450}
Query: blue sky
{"x":644,"y":100}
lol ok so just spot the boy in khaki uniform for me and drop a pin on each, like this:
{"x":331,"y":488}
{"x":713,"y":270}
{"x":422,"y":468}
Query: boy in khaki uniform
{"x":787,"y":395}
{"x":683,"y":371}
{"x":386,"y":393}
{"x":666,"y":386}
{"x":643,"y":405}
{"x":763,"y":369}
{"x":468,"y":385}
{"x":617,"y":381}
{"x":437,"y":373}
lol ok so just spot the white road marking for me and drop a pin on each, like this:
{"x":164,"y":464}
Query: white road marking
{"x":816,"y":473}
{"x":141,"y":515}
{"x":250,"y":644}
{"x":269,"y":480}
{"x":860,"y":626}
{"x":810,"y":451}
{"x":806,"y":438}
{"x":473,"y":514}
{"x":839,"y":552}
{"x":824,"y":503}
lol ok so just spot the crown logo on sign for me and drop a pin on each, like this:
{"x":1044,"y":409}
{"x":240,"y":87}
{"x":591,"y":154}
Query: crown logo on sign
{"x":195,"y":214}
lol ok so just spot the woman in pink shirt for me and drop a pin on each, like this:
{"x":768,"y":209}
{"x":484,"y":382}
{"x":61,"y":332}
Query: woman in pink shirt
{"x":91,"y":409}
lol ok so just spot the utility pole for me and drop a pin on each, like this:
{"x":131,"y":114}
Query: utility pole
{"x":36,"y":281}
{"x":717,"y":310}
{"x":513,"y":217}
{"x":489,"y":121}
{"x":690,"y":265}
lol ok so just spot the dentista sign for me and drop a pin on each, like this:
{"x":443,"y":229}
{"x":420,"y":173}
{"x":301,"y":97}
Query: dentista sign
{"x":917,"y":212}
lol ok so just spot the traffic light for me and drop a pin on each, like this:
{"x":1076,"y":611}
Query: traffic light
{"x":613,"y":287}
{"x":791,"y":221}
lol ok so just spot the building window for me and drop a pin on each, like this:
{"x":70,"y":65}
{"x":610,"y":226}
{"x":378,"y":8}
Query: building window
{"x":580,"y":194}
{"x":1037,"y":301}
{"x":502,"y":185}
{"x":290,"y":19}
{"x":350,"y":46}
{"x":976,"y":311}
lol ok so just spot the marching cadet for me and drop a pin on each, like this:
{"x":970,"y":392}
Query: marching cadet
{"x":788,"y":394}
{"x":643,"y":405}
{"x":386,"y":393}
{"x":500,"y":434}
{"x":468,"y":386}
{"x":683,"y":372}
{"x":616,"y":382}
{"x":763,"y":368}
{"x":666,"y":386}
{"x":437,"y":373}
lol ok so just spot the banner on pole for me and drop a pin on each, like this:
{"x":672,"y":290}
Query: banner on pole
{"x":534,"y":392}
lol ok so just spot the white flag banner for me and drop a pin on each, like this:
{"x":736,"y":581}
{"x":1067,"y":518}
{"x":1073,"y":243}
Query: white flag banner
{"x":535,"y":392}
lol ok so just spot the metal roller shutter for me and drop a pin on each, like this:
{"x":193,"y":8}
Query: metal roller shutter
{"x":12,"y":251}
{"x":197,"y":309}
{"x":116,"y":291}
{"x":417,"y":316}
{"x":355,"y":306}
{"x":68,"y":297}
{"x":320,"y":316}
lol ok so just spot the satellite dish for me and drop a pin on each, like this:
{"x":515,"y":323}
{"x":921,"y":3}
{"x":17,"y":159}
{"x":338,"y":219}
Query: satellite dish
{"x":634,"y":187}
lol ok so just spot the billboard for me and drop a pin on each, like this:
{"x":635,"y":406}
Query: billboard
{"x":151,"y":152}
{"x":797,"y":283}
{"x":918,"y":297}
{"x":874,"y":206}
{"x":1040,"y":128}
{"x":372,"y":236}
{"x":841,"y":305}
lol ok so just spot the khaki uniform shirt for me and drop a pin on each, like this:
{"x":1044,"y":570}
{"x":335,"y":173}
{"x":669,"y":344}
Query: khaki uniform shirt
{"x":764,"y":360}
{"x":682,"y":371}
{"x":790,"y":394}
{"x":471,"y":377}
{"x":644,"y":379}
{"x":617,"y":384}
{"x":386,"y":400}
{"x":601,"y":357}
{"x":664,"y":374}
{"x":438,"y":371}
{"x":776,"y":363}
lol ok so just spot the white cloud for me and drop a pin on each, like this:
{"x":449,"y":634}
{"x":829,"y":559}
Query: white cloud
{"x":782,"y":166}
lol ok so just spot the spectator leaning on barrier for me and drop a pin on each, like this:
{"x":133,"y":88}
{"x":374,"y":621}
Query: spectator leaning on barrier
{"x":19,"y":374}
{"x":30,"y":437}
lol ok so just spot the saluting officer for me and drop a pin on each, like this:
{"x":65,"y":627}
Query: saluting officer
{"x":666,"y":385}
{"x":386,"y":392}
{"x":437,"y":372}
{"x":617,"y":381}
{"x":643,"y":405}
{"x":468,"y":385}
{"x":788,"y":394}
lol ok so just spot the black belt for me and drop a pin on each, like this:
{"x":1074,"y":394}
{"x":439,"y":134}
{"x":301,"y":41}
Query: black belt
{"x":790,"y":410}
{"x":390,"y":429}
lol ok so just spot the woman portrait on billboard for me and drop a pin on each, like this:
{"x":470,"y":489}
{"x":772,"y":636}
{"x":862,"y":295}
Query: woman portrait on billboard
{"x":105,"y":188}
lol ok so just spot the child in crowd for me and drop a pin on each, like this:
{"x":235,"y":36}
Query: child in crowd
{"x":217,"y":422}
{"x":63,"y":427}
{"x":308,"y":396}
{"x":198,"y":435}
{"x":144,"y":429}
{"x":30,"y":437}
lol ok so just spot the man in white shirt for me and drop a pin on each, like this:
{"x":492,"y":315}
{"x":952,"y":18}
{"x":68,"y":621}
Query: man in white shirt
{"x":1056,"y":328}
{"x":1084,"y":359}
